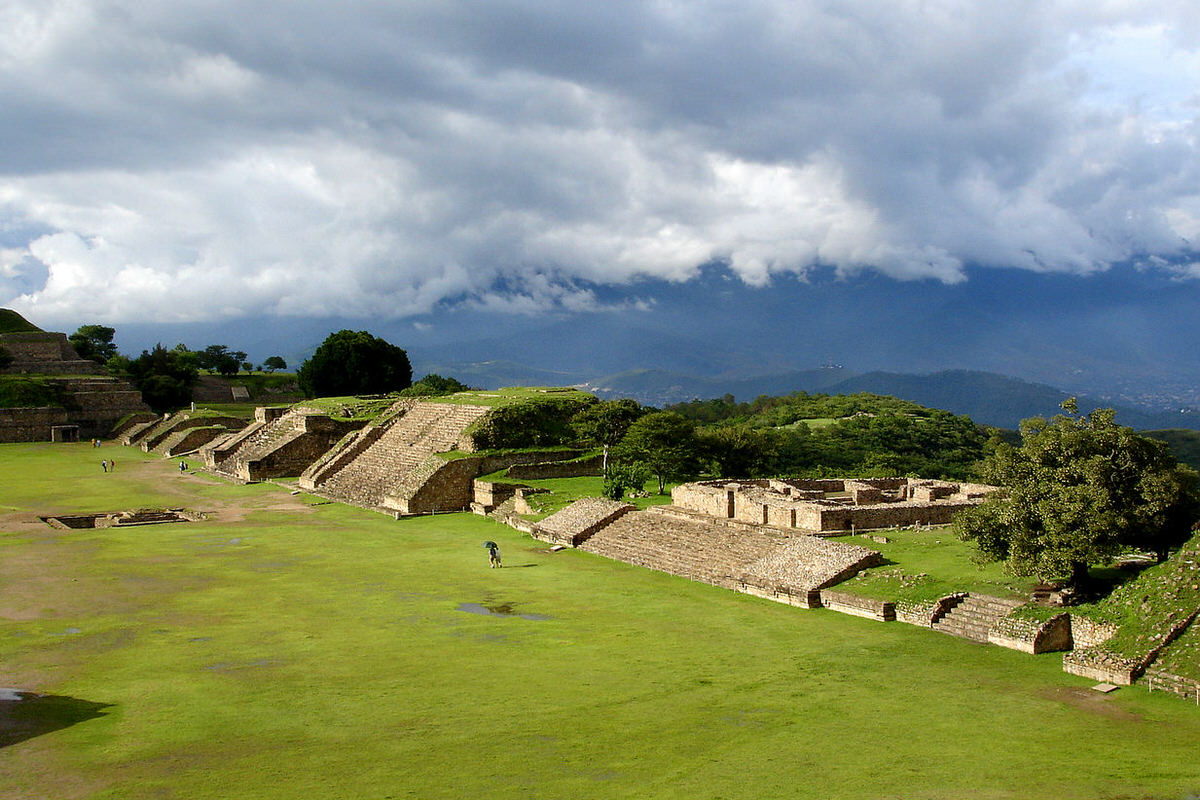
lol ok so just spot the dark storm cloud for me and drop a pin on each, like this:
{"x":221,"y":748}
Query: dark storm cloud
{"x":216,"y":159}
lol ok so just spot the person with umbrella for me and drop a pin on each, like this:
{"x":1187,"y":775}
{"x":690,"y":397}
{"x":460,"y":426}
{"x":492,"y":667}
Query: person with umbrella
{"x":493,"y":553}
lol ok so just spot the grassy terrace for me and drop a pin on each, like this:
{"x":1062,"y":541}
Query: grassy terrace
{"x":290,"y":648}
{"x":927,"y":564}
{"x":504,"y":397}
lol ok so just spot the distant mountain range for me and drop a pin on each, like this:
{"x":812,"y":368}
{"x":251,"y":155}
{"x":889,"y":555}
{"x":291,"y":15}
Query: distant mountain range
{"x":986,"y":397}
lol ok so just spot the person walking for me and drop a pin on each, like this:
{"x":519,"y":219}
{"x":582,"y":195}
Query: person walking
{"x":104,"y":465}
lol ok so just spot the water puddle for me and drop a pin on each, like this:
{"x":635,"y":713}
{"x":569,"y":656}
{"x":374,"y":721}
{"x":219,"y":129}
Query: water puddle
{"x":498,"y":609}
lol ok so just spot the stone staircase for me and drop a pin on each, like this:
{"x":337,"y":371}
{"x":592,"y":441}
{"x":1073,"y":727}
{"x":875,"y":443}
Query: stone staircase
{"x":974,"y":615}
{"x":681,"y":547}
{"x":389,"y":455}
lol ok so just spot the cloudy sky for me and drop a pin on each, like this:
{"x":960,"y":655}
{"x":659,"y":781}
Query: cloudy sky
{"x":182,"y":160}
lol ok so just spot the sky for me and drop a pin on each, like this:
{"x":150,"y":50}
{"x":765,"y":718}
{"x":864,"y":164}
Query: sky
{"x":199,"y":161}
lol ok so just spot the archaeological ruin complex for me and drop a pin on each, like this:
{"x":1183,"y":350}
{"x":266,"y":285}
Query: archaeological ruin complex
{"x":827,"y":505}
{"x":88,"y":401}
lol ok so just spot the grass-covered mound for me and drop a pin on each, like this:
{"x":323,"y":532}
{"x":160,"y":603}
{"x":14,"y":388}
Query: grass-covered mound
{"x":1146,"y":608}
{"x":525,"y":417}
{"x":12,"y":322}
{"x":292,"y":648}
{"x":922,"y":566}
{"x":24,"y":391}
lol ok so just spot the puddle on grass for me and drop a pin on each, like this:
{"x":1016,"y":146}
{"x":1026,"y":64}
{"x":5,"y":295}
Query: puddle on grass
{"x":68,"y":632}
{"x":498,"y":609}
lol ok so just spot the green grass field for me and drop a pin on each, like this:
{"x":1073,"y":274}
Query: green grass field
{"x":291,"y":648}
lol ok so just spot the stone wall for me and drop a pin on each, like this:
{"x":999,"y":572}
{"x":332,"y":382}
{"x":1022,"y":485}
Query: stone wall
{"x":30,"y":424}
{"x":829,"y":505}
{"x":568,"y":467}
{"x":439,"y":484}
{"x":1089,"y":633}
{"x":1160,"y":680}
{"x":1101,"y":665}
{"x":190,"y":440}
{"x":870,"y":608}
{"x":1032,"y":636}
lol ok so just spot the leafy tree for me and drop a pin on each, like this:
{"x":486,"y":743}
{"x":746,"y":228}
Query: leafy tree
{"x":354,"y":362}
{"x":1081,"y":489}
{"x":606,"y":422}
{"x":542,"y":422}
{"x":94,"y":342}
{"x":623,"y":477}
{"x":6,"y":358}
{"x":434,"y":385}
{"x":273,"y":363}
{"x":666,"y":443}
{"x":218,"y":358}
{"x":165,"y":377}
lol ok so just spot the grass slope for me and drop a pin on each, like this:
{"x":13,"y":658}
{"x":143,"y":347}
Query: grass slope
{"x":289,"y":648}
{"x":12,"y":322}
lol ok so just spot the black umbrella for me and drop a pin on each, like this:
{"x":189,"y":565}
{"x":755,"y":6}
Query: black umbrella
{"x":491,"y":545}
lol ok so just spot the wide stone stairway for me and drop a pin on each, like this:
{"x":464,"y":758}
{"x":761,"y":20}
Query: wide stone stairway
{"x":411,"y":437}
{"x":737,"y":558}
{"x":974,"y":616}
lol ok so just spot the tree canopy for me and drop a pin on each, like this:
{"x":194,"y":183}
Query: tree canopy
{"x":165,"y":377}
{"x":1080,"y":490}
{"x":273,"y":363}
{"x":354,"y":362}
{"x":94,"y":342}
{"x":606,"y":422}
{"x":665,"y":443}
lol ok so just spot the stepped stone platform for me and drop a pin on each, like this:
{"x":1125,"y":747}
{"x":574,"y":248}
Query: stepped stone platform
{"x":280,"y":442}
{"x":384,"y":464}
{"x":45,"y":353}
{"x":91,"y":401}
{"x":154,"y":437}
{"x":789,"y":570}
{"x":577,"y":522}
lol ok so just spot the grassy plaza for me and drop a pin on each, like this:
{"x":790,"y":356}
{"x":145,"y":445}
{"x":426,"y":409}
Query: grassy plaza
{"x":287,"y":647}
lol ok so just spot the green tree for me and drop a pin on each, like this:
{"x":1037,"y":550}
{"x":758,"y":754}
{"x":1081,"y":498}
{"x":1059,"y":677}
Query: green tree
{"x":273,"y":363}
{"x":94,"y":342}
{"x":354,"y":362}
{"x":6,"y":358}
{"x":605,"y":423}
{"x":164,"y":377}
{"x":624,"y":477}
{"x":666,"y":443}
{"x":1080,"y":490}
{"x":434,"y":385}
{"x":218,"y":358}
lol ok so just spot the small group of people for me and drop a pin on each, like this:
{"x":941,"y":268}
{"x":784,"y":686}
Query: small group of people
{"x":95,"y":442}
{"x":493,"y":554}
{"x":108,"y":465}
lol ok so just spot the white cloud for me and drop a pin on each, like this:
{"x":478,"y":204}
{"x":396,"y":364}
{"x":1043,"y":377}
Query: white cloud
{"x":201,"y":159}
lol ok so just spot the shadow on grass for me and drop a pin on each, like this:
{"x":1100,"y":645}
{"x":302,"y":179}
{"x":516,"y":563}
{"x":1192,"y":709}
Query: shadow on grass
{"x":24,"y":715}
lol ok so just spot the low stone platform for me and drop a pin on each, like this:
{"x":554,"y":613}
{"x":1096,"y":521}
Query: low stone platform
{"x":574,"y":524}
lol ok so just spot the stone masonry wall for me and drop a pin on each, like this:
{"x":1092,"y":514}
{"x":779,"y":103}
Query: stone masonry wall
{"x":29,"y":424}
{"x":566,"y":468}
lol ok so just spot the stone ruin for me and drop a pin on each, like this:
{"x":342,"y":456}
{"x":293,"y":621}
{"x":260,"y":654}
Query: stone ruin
{"x":92,"y":401}
{"x":280,"y":442}
{"x":834,"y":505}
{"x":741,"y":557}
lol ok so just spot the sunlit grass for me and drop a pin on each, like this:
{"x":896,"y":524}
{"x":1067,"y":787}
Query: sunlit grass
{"x":292,"y":648}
